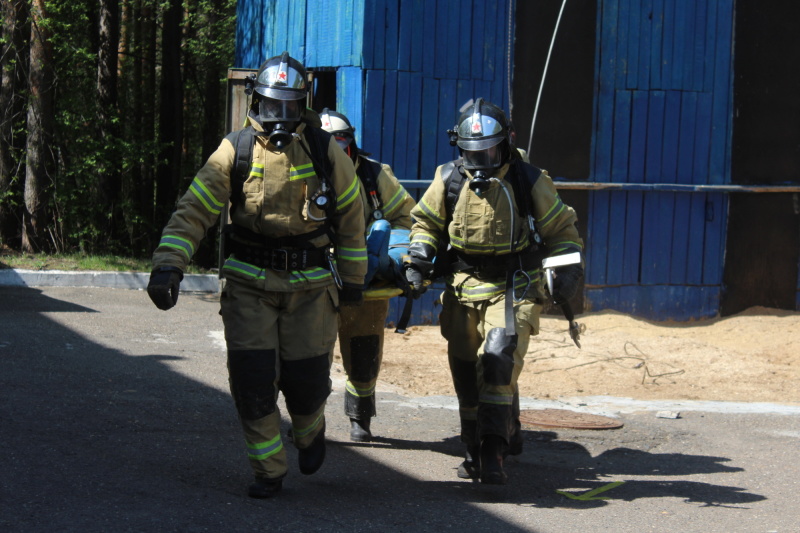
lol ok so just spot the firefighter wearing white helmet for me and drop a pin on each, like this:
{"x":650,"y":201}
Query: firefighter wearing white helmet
{"x":294,"y":198}
{"x":361,"y":330}
{"x":492,"y":218}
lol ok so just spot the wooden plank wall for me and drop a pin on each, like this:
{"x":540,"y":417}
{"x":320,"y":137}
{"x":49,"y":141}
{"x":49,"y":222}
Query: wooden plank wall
{"x":662,"y":116}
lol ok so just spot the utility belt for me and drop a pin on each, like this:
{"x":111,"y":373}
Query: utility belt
{"x":275,"y":254}
{"x":496,"y":266}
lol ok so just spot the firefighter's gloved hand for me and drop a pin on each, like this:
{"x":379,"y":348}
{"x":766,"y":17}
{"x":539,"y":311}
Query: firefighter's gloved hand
{"x":565,"y":284}
{"x":415,"y":279}
{"x":164,"y":286}
{"x":351,"y":295}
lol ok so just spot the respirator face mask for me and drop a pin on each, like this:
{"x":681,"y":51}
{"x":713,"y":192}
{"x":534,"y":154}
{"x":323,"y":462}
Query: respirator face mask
{"x":482,"y":163}
{"x":279,"y":118}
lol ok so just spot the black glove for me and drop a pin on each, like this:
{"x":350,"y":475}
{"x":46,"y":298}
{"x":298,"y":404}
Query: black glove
{"x":351,"y":295}
{"x":164,"y":286}
{"x":415,"y":279}
{"x":565,"y":283}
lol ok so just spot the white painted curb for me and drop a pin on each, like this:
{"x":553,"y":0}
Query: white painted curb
{"x":114,"y":280}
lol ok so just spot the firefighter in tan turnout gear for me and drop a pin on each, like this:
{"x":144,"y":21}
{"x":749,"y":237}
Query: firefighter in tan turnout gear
{"x":297,"y":234}
{"x":492,"y":218}
{"x":361,"y":329}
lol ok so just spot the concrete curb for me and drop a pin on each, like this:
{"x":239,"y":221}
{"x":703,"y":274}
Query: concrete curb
{"x":113,"y":280}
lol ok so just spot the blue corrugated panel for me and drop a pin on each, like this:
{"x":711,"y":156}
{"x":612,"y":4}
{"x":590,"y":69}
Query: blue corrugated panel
{"x":615,"y":248}
{"x":696,"y":239}
{"x":631,"y":257}
{"x":465,"y":13}
{"x":389,"y":115}
{"x":379,"y":35}
{"x":371,"y":28}
{"x":658,"y":302}
{"x":418,"y":52}
{"x":399,"y":145}
{"x":429,"y":126}
{"x":711,"y":46}
{"x":682,"y":37}
{"x":645,"y":28}
{"x":476,"y":54}
{"x":447,"y":116}
{"x":699,"y":52}
{"x":722,"y":109}
{"x":350,"y":98}
{"x":358,"y":32}
{"x":296,"y":39}
{"x":413,"y":126}
{"x":620,"y":150}
{"x":429,"y":39}
{"x":405,"y":35}
{"x":248,"y":33}
{"x":451,"y":29}
{"x":714,"y":247}
{"x":621,"y":54}
{"x":373,"y":111}
{"x":599,"y":208}
{"x":314,"y":27}
{"x":635,"y":38}
{"x":489,"y":33}
{"x":392,"y":23}
{"x":667,"y":45}
{"x":656,"y":44}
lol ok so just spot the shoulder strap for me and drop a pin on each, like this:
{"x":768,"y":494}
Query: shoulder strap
{"x":368,"y":171}
{"x":524,"y":177}
{"x":243,"y":142}
{"x":454,"y":178}
{"x":318,"y":141}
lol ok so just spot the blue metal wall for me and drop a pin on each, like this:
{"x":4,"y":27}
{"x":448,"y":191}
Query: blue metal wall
{"x":403,"y":68}
{"x":663,"y":116}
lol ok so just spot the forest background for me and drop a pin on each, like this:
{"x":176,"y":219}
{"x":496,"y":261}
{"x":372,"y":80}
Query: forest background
{"x":108,"y":108}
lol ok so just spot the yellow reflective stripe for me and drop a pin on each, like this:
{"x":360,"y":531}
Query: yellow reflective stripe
{"x":348,"y":196}
{"x":206,"y":198}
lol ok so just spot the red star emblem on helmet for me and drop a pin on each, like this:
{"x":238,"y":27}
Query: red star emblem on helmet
{"x":282,"y":76}
{"x":476,"y":127}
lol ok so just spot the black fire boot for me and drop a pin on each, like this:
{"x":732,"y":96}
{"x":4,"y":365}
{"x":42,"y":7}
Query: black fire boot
{"x":264,"y":487}
{"x":492,"y":450}
{"x":359,"y":430}
{"x":311,"y":458}
{"x":471,"y":467}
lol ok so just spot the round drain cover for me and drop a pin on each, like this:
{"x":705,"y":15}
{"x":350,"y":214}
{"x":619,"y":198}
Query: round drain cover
{"x":562,"y":418}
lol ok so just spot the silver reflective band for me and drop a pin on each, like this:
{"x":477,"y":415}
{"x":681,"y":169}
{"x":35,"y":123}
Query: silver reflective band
{"x":282,"y":75}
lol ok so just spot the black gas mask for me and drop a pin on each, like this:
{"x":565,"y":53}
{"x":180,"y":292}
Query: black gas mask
{"x":482,"y":164}
{"x":279,"y":118}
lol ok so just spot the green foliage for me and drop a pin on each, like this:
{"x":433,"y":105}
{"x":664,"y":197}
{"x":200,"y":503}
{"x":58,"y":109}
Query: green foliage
{"x":85,"y":159}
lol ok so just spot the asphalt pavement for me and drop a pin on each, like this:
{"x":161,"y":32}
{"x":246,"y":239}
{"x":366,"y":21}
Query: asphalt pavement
{"x":115,"y":416}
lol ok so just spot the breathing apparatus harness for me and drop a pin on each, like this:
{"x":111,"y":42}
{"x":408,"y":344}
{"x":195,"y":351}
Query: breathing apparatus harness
{"x":291,"y":252}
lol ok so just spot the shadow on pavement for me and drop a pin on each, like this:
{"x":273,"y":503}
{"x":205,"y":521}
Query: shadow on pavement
{"x":100,"y":433}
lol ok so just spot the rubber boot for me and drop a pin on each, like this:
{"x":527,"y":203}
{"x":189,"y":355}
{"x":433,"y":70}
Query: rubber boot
{"x":516,"y":441}
{"x":311,"y":458}
{"x":492,"y":449}
{"x":264,"y":487}
{"x":359,"y":430}
{"x":471,"y":467}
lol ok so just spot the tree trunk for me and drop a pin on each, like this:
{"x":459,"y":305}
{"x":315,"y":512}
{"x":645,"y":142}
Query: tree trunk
{"x":13,"y":64}
{"x":40,"y":165}
{"x":170,"y":125}
{"x":108,"y":101}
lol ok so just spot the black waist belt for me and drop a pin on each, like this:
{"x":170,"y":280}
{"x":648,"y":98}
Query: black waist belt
{"x":495,"y":266}
{"x":281,"y":259}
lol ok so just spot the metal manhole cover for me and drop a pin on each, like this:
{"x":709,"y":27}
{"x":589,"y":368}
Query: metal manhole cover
{"x":562,"y":418}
